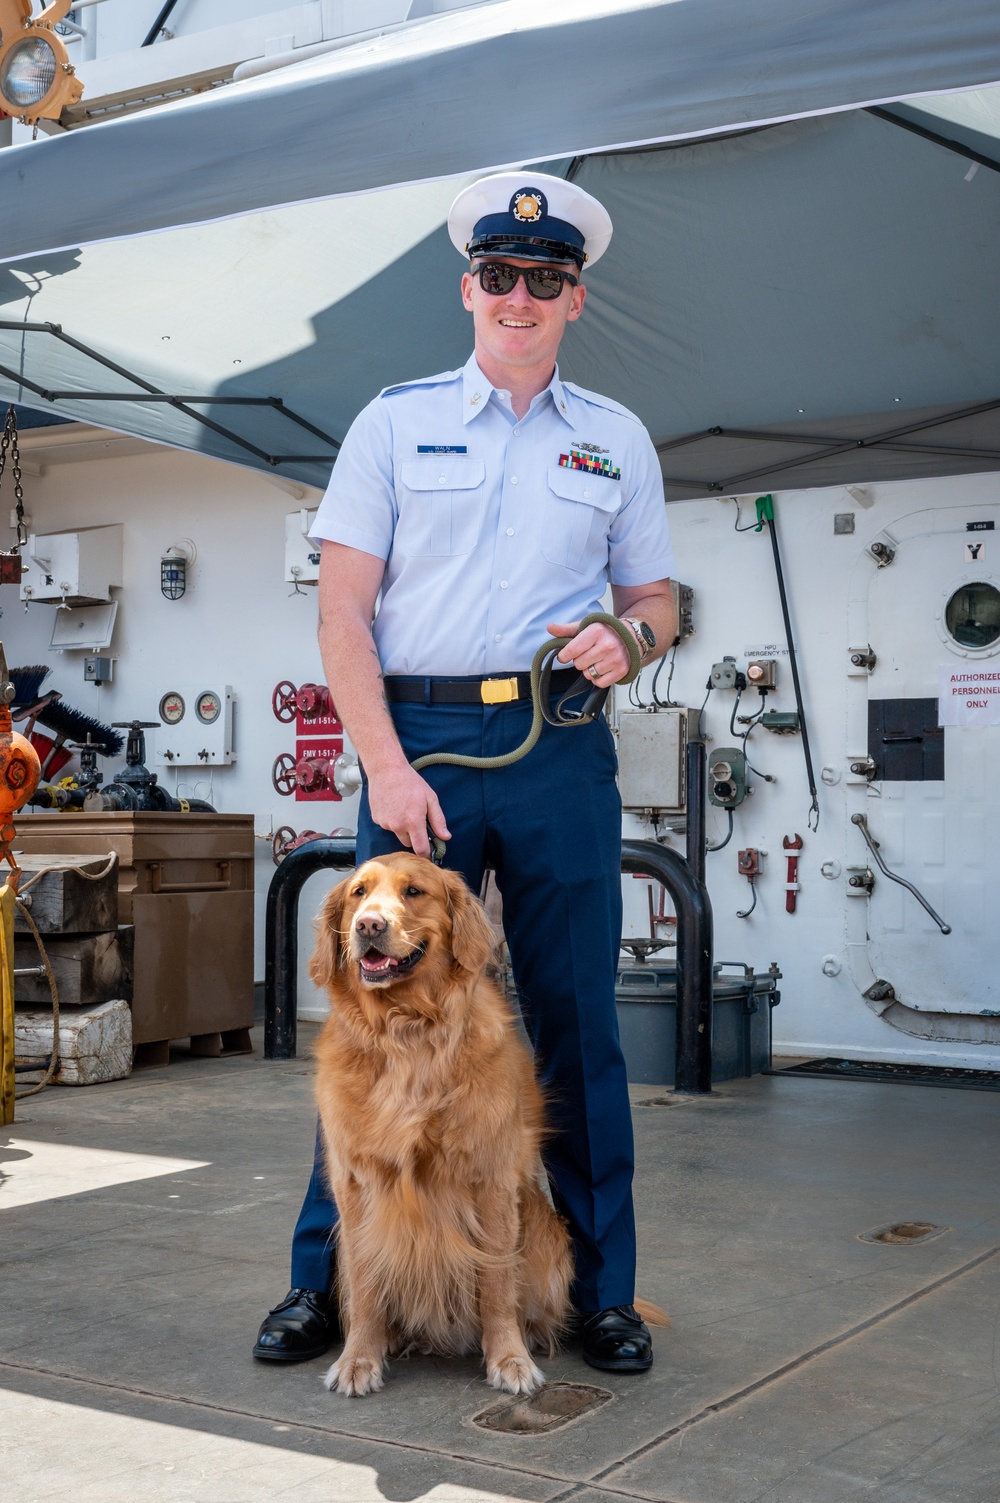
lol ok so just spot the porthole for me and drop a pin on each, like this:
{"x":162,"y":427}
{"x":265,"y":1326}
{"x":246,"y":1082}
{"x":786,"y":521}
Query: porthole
{"x":972,"y":615}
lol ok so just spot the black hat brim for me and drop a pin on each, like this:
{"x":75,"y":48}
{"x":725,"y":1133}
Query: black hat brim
{"x":527,"y":247}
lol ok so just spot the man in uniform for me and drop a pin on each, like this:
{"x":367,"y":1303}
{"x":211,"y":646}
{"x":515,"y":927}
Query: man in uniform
{"x":485,"y":509}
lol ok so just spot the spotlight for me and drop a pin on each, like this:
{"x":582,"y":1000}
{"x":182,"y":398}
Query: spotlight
{"x":37,"y":80}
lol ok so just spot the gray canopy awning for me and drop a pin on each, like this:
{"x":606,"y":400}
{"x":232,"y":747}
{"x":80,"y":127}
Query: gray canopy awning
{"x":803,"y":285}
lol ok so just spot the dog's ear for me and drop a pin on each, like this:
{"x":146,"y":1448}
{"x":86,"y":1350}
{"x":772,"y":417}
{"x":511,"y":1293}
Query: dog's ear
{"x":472,"y":938}
{"x":329,"y":954}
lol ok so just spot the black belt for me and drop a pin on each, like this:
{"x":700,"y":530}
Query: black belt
{"x":494,"y":690}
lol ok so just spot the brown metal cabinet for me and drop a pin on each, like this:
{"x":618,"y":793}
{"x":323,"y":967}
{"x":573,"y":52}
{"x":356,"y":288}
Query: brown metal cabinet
{"x":186,"y":883}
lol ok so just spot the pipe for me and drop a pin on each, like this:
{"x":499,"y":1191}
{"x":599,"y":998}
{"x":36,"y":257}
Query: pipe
{"x":281,"y":936}
{"x":693,"y":1072}
{"x":159,"y":23}
{"x":695,"y":775}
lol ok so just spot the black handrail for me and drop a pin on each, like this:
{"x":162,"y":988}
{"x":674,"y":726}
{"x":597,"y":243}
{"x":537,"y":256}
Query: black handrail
{"x":694,"y":948}
{"x":281,"y":939}
{"x":693,"y":1071}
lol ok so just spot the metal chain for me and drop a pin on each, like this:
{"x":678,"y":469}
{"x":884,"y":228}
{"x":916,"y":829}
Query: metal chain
{"x":8,"y":445}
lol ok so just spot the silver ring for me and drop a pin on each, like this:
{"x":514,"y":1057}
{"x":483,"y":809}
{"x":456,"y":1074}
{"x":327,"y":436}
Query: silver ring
{"x":592,"y":670}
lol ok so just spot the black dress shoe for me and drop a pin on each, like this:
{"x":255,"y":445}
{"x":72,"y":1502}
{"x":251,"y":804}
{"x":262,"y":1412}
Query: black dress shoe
{"x":616,"y":1340}
{"x":303,"y":1326}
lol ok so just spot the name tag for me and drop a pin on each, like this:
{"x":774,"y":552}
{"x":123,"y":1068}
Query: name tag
{"x":442,"y":449}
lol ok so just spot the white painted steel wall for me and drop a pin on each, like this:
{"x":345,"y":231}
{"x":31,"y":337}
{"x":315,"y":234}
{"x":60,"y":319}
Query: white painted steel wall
{"x":239,"y":624}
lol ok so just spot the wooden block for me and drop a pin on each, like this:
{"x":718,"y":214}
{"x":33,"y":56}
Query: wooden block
{"x":89,"y":968}
{"x":64,"y":902}
{"x":95,"y":1043}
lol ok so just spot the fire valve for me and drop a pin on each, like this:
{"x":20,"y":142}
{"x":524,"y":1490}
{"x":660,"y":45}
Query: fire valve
{"x":310,"y":702}
{"x":313,"y":777}
{"x":285,"y":840}
{"x":792,"y":845}
{"x":314,"y":700}
{"x":305,"y":775}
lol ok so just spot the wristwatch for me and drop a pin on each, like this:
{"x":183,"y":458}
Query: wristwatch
{"x":643,"y":635}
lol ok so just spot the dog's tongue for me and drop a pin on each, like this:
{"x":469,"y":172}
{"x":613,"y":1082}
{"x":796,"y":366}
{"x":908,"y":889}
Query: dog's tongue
{"x":374,"y":960}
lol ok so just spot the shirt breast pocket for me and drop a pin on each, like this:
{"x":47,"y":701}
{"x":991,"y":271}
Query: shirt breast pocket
{"x":440,"y":505}
{"x":579,"y":510}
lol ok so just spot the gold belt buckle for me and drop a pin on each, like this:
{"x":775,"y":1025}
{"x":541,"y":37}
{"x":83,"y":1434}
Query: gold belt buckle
{"x":498,"y":691}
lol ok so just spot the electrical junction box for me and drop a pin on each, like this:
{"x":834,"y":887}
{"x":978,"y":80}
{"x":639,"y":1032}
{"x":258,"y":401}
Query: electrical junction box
{"x":723,"y":675}
{"x":684,"y":606}
{"x":727,"y":777}
{"x":196,"y":726}
{"x":73,"y":568}
{"x":651,"y":755}
{"x":301,"y":556}
{"x":99,"y":670}
{"x":762,"y":673}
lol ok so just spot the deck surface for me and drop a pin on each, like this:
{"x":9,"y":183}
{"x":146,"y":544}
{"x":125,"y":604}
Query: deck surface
{"x":803,"y":1364}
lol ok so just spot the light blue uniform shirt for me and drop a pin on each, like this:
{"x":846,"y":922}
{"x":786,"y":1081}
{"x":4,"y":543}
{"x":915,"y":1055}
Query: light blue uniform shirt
{"x":486,"y":536}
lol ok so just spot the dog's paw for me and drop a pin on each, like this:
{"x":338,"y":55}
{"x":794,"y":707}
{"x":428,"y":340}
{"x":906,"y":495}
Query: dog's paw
{"x":515,"y":1374}
{"x":356,"y":1376}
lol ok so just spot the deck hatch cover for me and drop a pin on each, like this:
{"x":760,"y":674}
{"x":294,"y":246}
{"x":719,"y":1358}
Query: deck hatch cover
{"x":549,"y":1409}
{"x":905,"y":742}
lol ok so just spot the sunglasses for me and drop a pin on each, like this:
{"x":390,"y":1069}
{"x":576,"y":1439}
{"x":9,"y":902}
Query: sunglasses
{"x":498,"y":279}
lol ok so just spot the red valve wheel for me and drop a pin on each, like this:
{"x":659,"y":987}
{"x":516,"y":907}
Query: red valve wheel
{"x":282,"y":842}
{"x":283,"y":774}
{"x":283,"y":702}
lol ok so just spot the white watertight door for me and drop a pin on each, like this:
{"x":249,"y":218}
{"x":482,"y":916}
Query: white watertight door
{"x":933,"y":803}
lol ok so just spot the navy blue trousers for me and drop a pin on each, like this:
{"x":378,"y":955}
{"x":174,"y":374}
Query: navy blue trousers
{"x":550,"y":828}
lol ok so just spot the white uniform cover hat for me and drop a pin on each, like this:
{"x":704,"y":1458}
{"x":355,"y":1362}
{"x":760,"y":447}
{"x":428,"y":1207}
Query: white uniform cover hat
{"x":531,"y":215}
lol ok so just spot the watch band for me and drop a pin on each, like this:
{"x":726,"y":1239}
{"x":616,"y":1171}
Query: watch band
{"x":644,"y":635}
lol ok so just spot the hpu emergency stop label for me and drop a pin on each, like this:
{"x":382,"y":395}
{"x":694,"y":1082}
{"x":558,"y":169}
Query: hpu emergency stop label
{"x":969,"y":696}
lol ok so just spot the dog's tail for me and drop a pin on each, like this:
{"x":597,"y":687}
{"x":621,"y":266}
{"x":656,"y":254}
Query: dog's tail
{"x":650,"y":1313}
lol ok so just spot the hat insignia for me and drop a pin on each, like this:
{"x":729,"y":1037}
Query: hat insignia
{"x":528,"y":205}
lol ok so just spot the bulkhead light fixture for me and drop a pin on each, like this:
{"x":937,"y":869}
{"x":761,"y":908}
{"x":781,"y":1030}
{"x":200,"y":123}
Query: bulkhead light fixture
{"x":37,"y":80}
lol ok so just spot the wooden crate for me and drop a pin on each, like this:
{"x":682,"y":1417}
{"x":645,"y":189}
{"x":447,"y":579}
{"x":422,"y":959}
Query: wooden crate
{"x":185,"y":882}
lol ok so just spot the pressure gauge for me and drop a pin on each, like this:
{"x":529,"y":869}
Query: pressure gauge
{"x":171,"y":709}
{"x":208,"y":707}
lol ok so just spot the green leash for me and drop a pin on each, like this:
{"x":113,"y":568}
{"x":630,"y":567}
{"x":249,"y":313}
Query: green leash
{"x":541,"y":673}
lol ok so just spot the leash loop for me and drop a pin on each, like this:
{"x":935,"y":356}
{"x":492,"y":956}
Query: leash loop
{"x":541,"y":677}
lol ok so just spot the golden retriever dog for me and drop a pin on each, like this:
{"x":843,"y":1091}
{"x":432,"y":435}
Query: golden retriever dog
{"x":433,"y":1123}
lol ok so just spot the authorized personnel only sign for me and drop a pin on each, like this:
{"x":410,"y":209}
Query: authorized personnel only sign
{"x":969,"y":696}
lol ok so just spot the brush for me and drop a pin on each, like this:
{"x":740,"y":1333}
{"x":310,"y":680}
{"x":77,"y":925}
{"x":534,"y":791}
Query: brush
{"x":53,"y":757}
{"x":73,"y":725}
{"x":27,"y":683}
